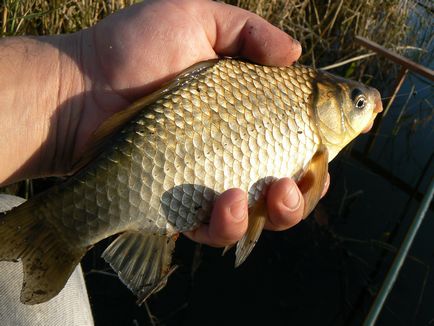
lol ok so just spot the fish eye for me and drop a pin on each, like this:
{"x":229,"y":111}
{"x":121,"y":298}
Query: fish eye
{"x":358,"y":98}
{"x":360,"y":102}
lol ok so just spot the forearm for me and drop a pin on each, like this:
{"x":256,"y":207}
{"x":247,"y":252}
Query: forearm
{"x":39,"y":83}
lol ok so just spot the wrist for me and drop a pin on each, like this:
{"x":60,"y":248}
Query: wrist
{"x":40,"y":83}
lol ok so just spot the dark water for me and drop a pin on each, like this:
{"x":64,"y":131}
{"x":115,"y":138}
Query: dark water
{"x":327,"y":269}
{"x":324,"y":271}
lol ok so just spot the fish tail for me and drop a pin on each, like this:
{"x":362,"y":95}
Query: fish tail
{"x":47,"y":260}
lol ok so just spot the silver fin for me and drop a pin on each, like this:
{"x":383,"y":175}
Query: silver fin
{"x":7,"y":202}
{"x":257,"y":218}
{"x":142,"y":261}
{"x":227,"y":248}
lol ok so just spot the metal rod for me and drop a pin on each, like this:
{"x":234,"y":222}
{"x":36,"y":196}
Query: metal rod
{"x":403,"y":61}
{"x":394,"y":270}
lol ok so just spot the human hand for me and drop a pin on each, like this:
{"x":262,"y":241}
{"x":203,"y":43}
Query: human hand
{"x":139,"y":48}
{"x":133,"y":52}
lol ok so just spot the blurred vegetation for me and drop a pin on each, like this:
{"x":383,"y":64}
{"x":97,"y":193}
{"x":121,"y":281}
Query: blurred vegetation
{"x":325,"y":28}
{"x":39,"y":17}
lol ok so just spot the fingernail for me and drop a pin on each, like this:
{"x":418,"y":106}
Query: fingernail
{"x":238,"y":209}
{"x":295,"y":44}
{"x":292,"y":199}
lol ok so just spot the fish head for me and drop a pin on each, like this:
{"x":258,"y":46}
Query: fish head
{"x":343,"y":109}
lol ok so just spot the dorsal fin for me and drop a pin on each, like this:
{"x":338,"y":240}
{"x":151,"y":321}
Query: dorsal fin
{"x":118,"y":120}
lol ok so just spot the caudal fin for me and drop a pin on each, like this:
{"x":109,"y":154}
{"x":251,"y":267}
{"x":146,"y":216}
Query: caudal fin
{"x":47,"y":260}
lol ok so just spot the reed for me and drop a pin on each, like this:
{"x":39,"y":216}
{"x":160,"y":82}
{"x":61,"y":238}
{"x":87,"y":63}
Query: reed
{"x":40,"y":17}
{"x":325,"y":28}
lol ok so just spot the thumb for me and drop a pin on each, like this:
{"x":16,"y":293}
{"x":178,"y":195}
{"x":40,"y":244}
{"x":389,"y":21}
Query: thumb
{"x":237,"y":32}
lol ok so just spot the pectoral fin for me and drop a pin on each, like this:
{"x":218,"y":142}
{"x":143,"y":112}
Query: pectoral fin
{"x":142,"y":261}
{"x":257,"y":218}
{"x":312,"y":182}
{"x":227,"y":248}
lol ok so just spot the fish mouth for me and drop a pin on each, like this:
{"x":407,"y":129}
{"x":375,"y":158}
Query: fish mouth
{"x":378,"y":104}
{"x":377,"y":109}
{"x":368,"y":127}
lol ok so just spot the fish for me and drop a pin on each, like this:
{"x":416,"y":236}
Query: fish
{"x":154,"y":170}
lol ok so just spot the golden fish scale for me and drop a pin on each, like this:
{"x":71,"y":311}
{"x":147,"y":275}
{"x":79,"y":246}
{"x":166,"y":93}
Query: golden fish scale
{"x":234,"y":124}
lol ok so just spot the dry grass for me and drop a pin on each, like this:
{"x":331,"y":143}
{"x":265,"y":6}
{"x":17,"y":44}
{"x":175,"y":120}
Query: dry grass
{"x":325,"y":28}
{"x":39,"y":17}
